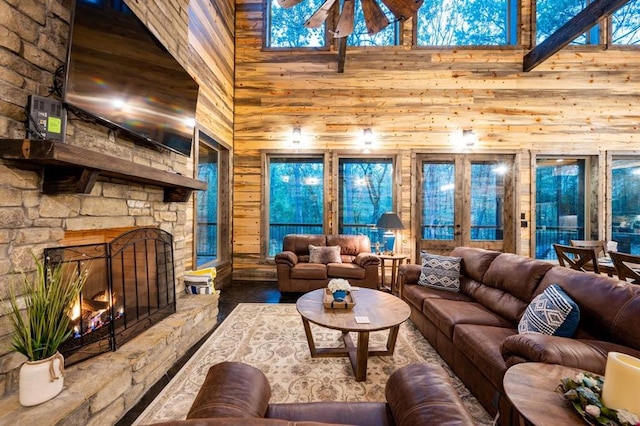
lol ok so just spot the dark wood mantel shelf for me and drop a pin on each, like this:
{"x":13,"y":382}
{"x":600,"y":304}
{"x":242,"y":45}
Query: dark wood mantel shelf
{"x":71,"y":169}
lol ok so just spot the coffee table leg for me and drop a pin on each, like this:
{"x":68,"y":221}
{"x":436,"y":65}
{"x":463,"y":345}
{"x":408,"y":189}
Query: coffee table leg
{"x":362,"y":355}
{"x":310,"y":342}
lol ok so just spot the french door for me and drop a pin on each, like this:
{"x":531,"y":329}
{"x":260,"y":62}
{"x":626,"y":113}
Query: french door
{"x":465,"y":200}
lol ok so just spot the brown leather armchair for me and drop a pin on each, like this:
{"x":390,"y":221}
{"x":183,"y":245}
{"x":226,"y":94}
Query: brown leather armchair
{"x":296,"y":274}
{"x":234,"y":393}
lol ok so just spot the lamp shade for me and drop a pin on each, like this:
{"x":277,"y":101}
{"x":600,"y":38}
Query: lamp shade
{"x":390,"y":221}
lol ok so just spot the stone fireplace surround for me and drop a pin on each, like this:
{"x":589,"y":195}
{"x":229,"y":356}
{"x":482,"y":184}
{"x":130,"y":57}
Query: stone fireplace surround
{"x":101,"y":390}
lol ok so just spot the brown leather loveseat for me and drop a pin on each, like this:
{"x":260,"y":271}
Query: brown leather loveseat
{"x":355,"y":262}
{"x":475,"y":330}
{"x":234,"y":393}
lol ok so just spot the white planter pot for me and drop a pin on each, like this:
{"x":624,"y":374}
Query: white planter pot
{"x":41,"y":380}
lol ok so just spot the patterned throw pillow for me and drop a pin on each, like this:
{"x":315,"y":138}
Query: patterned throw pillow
{"x":321,"y":254}
{"x":441,"y":272}
{"x":551,"y":312}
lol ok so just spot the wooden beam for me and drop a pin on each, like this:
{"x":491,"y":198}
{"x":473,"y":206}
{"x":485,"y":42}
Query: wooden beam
{"x":342,"y":54}
{"x":577,"y":25}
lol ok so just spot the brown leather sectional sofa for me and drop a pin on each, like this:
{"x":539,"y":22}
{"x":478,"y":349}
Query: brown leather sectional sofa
{"x":295,"y":274}
{"x":234,"y":393}
{"x":475,"y":330}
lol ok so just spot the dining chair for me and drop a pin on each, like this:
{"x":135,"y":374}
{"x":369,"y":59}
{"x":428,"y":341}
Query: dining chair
{"x":578,"y":258}
{"x":599,"y":245}
{"x":627,"y":266}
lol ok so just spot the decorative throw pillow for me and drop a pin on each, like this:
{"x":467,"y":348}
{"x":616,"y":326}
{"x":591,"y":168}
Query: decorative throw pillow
{"x":441,"y":272}
{"x":551,"y":312}
{"x":321,"y":254}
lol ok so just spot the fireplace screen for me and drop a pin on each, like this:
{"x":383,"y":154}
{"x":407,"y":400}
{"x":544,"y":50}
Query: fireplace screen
{"x":130,"y":287}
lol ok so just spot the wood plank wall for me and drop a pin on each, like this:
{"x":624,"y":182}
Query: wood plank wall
{"x":418,"y":100}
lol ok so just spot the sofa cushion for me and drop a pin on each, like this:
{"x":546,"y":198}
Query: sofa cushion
{"x":350,"y":244}
{"x":309,"y":271}
{"x":446,"y":314}
{"x":551,"y":312}
{"x":327,"y":254}
{"x":481,"y":344}
{"x":475,"y":261}
{"x":345,"y":270}
{"x":442,"y":272}
{"x":299,"y":243}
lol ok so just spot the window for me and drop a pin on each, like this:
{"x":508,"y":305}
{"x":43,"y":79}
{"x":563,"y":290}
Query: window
{"x":625,"y":204}
{"x":552,"y":14}
{"x":560,"y":204}
{"x":296,"y":198}
{"x":286,"y":26}
{"x":625,"y":24}
{"x":360,"y":35}
{"x":366,"y":192}
{"x":467,"y":23}
{"x":207,"y":205}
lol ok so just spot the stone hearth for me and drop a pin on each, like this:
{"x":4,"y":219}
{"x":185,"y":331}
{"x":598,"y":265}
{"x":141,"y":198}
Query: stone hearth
{"x":101,"y":390}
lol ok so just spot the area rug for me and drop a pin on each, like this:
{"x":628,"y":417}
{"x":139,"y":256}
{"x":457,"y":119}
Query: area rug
{"x":271,"y":337}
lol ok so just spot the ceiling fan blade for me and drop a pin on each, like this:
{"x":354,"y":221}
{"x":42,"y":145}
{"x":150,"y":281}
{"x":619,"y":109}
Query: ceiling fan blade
{"x":288,"y":3}
{"x":374,"y":17}
{"x":403,"y":9}
{"x":320,"y":15}
{"x":345,"y":22}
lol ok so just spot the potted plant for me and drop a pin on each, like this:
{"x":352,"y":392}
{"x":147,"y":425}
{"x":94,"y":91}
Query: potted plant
{"x":339,"y":288}
{"x":42,"y":326}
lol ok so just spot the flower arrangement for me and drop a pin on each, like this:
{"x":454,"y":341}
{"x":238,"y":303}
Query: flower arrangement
{"x":338,"y":284}
{"x":584,"y":391}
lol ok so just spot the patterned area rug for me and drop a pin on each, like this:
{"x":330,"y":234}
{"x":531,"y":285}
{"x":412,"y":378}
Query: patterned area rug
{"x":271,"y":337}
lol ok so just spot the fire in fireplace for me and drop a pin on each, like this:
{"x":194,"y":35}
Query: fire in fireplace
{"x":130,"y":287}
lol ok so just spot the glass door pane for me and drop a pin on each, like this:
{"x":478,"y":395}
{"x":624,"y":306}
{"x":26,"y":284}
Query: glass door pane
{"x":207,"y":207}
{"x":438,"y":206}
{"x":560,"y":203}
{"x":487,"y":199}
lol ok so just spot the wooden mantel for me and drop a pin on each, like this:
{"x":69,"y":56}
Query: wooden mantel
{"x":71,"y":169}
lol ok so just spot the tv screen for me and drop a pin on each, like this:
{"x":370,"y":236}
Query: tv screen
{"x":119,"y":73}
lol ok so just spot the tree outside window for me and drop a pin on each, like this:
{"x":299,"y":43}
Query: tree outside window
{"x":286,"y":26}
{"x":296,"y":199}
{"x":366,"y":192}
{"x":360,"y":35}
{"x":625,"y":24}
{"x":207,"y":206}
{"x":625,"y":204}
{"x":552,"y":14}
{"x":467,"y":23}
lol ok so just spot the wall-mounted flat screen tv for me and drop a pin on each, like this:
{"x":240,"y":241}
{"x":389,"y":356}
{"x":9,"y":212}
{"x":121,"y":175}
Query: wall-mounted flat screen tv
{"x":120,"y":74}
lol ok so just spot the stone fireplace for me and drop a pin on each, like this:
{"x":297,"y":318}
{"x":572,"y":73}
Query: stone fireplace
{"x":130,"y":287}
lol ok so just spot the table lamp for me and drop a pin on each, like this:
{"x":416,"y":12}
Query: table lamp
{"x":389,"y":222}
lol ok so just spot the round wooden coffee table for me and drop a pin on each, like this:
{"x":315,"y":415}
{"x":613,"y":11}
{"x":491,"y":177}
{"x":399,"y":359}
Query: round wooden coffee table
{"x":383,"y":311}
{"x":531,"y":388}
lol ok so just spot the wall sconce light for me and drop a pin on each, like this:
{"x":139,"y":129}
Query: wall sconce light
{"x":469,"y":137}
{"x":367,"y":137}
{"x":296,"y":136}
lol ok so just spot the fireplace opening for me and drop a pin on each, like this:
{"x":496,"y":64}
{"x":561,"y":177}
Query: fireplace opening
{"x":130,"y":287}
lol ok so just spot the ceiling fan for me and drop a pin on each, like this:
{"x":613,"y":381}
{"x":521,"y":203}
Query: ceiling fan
{"x":374,"y":17}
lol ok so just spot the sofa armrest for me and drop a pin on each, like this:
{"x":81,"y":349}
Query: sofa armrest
{"x":366,"y":259}
{"x":286,"y":258}
{"x":422,"y":394}
{"x":584,"y":354}
{"x":409,"y":274}
{"x":232,"y":389}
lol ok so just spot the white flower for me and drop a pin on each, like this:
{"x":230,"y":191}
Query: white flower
{"x":626,"y":416}
{"x":339,"y":284}
{"x":579,"y":377}
{"x":592,"y":410}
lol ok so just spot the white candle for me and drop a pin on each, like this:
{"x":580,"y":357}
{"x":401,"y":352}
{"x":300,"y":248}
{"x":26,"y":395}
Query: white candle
{"x":621,"y":388}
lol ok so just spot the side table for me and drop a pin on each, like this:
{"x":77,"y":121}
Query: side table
{"x":395,"y":260}
{"x":531,"y":388}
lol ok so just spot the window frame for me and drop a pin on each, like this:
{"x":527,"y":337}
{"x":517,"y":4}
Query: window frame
{"x":267,"y":156}
{"x":610,"y":158}
{"x":396,"y":181}
{"x":266,"y":33}
{"x":223,"y":257}
{"x":594,"y":198}
{"x":513,"y":20}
